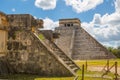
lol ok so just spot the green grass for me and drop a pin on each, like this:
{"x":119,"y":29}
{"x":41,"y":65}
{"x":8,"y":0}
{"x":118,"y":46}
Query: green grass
{"x":18,"y":77}
{"x":98,"y":62}
{"x":57,"y":78}
{"x":32,"y":77}
{"x":41,"y":36}
{"x":89,"y":75}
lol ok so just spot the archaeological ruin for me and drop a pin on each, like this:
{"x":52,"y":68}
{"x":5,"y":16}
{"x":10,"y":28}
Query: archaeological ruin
{"x":25,"y":49}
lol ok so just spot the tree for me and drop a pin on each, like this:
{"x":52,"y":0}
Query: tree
{"x":115,"y":51}
{"x":110,"y":49}
{"x":118,"y":47}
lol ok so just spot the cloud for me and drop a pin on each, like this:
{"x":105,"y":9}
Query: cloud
{"x":117,"y":6}
{"x":114,"y":44}
{"x":83,"y":5}
{"x":106,"y":28}
{"x":49,"y":24}
{"x":35,"y":17}
{"x":13,"y":9}
{"x":45,"y":4}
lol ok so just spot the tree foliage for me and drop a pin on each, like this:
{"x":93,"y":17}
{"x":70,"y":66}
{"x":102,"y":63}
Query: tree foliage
{"x":115,"y":51}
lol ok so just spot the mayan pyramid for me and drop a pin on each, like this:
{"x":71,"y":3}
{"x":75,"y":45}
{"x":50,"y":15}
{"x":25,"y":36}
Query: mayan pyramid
{"x":78,"y":43}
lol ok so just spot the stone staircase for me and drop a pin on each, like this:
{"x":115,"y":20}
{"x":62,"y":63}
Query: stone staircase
{"x":59,"y":54}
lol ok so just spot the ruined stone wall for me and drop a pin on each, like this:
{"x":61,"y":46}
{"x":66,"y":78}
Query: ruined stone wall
{"x":3,"y":21}
{"x":4,"y":25}
{"x":47,"y":33}
{"x":28,"y":55}
{"x":24,"y":22}
{"x":25,"y":53}
{"x":3,"y":41}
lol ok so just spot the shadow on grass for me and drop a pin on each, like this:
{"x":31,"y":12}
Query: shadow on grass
{"x":31,"y":77}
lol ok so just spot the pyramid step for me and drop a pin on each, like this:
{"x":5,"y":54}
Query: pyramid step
{"x":65,"y":59}
{"x":72,"y":66}
{"x":57,"y":49}
{"x":75,"y":69}
{"x":68,"y":62}
{"x":87,"y":47}
{"x":62,"y":56}
{"x":59,"y":52}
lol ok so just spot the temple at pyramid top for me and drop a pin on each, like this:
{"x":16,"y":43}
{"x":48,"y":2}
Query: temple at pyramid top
{"x":69,"y":22}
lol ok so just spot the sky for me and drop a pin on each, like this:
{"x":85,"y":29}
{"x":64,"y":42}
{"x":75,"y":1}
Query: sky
{"x":100,"y":18}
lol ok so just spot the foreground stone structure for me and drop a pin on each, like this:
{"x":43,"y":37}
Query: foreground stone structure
{"x":77,"y":43}
{"x":23,"y":49}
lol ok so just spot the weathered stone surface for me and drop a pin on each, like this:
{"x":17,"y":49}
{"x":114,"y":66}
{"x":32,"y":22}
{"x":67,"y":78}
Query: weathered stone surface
{"x":4,"y":25}
{"x":65,"y":39}
{"x":47,"y":33}
{"x":77,"y":43}
{"x":32,"y":57}
{"x":5,"y":67}
{"x":24,"y":22}
{"x":26,"y":53}
{"x":3,"y":21}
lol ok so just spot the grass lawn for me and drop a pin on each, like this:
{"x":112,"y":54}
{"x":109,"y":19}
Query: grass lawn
{"x":98,"y":62}
{"x":89,"y":75}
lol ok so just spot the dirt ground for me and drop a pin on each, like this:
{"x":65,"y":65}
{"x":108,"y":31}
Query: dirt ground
{"x":100,"y":68}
